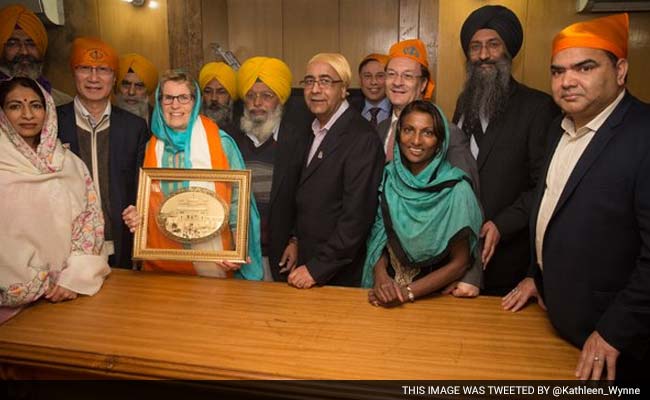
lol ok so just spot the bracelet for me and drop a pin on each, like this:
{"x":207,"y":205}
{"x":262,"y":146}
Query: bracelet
{"x":410,"y":294}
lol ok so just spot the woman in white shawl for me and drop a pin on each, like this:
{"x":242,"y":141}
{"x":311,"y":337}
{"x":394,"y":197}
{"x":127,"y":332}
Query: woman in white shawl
{"x":51,"y":226}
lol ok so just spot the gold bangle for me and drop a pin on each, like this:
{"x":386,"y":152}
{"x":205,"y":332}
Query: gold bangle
{"x":410,"y":294}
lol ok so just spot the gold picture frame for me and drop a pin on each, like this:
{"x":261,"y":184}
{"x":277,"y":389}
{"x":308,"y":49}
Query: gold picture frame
{"x":187,"y":210}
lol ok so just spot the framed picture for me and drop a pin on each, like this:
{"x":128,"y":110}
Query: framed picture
{"x":193,"y":215}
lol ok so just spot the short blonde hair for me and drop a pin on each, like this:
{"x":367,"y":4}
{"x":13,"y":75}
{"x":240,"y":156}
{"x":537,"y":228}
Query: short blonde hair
{"x":177,"y":75}
{"x":338,"y":62}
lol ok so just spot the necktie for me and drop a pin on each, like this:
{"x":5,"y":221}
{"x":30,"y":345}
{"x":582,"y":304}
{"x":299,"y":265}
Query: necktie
{"x":373,"y":116}
{"x":472,"y":127}
{"x":390,"y":141}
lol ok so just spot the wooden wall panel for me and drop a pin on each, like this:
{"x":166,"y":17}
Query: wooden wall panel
{"x":255,"y":28}
{"x":214,"y":18}
{"x":309,"y":28}
{"x":81,"y":19}
{"x":185,"y":35}
{"x":367,"y":26}
{"x":139,"y":30}
{"x":428,"y":33}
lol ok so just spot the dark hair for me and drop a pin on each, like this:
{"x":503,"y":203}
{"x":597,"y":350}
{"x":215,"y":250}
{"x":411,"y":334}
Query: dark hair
{"x":424,"y":71}
{"x":425,"y":107}
{"x":9,"y":85}
{"x":366,"y":61}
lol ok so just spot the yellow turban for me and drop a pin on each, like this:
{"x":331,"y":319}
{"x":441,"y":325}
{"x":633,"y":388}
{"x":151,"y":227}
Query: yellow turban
{"x":27,"y":21}
{"x":222,"y":73}
{"x":606,"y":33}
{"x":272,"y":71}
{"x":93,"y":52}
{"x":142,"y":67}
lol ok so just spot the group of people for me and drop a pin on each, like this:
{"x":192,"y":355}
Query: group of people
{"x":516,"y":197}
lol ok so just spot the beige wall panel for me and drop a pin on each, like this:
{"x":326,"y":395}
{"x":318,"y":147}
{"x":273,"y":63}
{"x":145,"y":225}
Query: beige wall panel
{"x":409,"y":18}
{"x":141,"y":30}
{"x":80,"y":20}
{"x":214,"y":17}
{"x":367,"y":26}
{"x":428,"y":33}
{"x":255,"y":28}
{"x":451,"y":63}
{"x":309,"y":27}
{"x":547,"y":18}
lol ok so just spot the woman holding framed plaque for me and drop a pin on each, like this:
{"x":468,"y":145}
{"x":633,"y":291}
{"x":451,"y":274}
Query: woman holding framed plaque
{"x":426,"y":229}
{"x":52,"y":227}
{"x":196,"y":215}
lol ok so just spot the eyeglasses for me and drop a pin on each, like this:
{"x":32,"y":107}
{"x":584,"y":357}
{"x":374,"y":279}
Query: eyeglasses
{"x":323,"y":82}
{"x":492,"y":46}
{"x":126,"y":85}
{"x":13,"y":43}
{"x":406,"y":76}
{"x":182,"y":98}
{"x":88,"y":70}
{"x":379,"y":76}
{"x":265,"y":96}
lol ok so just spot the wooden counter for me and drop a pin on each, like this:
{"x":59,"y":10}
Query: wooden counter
{"x":146,"y":325}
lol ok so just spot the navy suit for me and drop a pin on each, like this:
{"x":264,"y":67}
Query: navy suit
{"x":128,"y":136}
{"x":596,"y":249}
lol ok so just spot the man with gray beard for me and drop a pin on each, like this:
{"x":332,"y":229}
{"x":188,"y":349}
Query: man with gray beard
{"x":24,"y":41}
{"x":271,"y":149}
{"x":507,"y":124}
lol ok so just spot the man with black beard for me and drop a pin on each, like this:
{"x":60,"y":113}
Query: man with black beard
{"x":136,"y":83}
{"x":24,"y":41}
{"x":271,"y":149}
{"x":218,"y":83}
{"x":507,"y":123}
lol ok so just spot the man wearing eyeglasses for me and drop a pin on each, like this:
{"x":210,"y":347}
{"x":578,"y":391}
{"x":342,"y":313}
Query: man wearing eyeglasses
{"x":136,"y":82}
{"x":109,"y":140}
{"x":507,"y":125}
{"x":336,"y":198}
{"x":268,"y":143}
{"x":218,"y":83}
{"x":24,"y":41}
{"x":376,"y":107}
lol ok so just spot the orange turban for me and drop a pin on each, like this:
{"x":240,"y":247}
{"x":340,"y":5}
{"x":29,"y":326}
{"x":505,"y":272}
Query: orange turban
{"x":143,"y":68}
{"x":93,"y":52}
{"x":17,"y":15}
{"x":415,"y":50}
{"x":606,"y":33}
{"x":223,"y":73}
{"x":272,"y":71}
{"x":380,"y":58}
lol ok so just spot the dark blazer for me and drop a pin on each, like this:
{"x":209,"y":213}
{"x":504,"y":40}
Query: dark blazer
{"x":596,"y":249}
{"x":282,"y":202}
{"x":128,"y":136}
{"x":509,"y":164}
{"x":336,"y":201}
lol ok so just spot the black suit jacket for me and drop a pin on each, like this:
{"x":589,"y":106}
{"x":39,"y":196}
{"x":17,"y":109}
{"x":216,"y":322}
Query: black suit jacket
{"x":596,"y":249}
{"x":128,"y":135}
{"x":509,"y":164}
{"x":336,"y":201}
{"x":282,"y":202}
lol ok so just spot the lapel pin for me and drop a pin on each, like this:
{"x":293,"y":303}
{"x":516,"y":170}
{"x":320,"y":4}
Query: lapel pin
{"x":320,"y":155}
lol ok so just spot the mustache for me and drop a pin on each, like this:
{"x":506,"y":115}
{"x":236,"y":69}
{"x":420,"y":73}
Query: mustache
{"x":22,"y":58}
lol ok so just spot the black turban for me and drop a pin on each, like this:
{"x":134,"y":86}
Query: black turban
{"x":498,"y":18}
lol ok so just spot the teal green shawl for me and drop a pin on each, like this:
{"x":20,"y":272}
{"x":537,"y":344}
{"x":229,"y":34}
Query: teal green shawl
{"x":424,"y":221}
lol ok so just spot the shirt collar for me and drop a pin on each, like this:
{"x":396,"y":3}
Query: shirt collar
{"x":595,"y":123}
{"x":86,"y":114}
{"x":384,"y":105}
{"x":315,"y":126}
